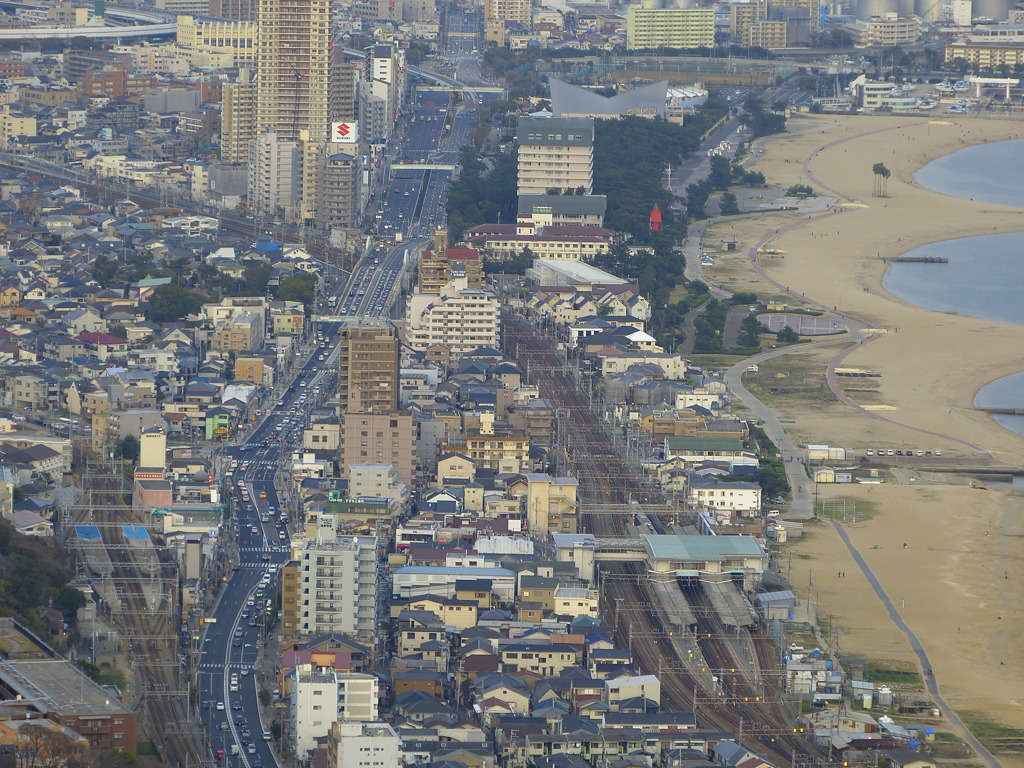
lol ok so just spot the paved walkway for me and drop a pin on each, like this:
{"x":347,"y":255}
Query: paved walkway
{"x":929,"y":679}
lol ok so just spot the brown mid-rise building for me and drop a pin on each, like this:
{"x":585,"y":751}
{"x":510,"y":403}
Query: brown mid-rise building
{"x":439,"y":267}
{"x":57,"y":690}
{"x":379,"y":438}
{"x":78,"y":63}
{"x":368,"y":362}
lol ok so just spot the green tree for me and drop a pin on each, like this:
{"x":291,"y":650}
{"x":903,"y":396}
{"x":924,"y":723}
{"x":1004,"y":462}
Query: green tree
{"x":68,"y":600}
{"x":720,"y":176}
{"x":760,"y":121}
{"x":171,"y":302}
{"x":128,"y":448}
{"x":882,"y":175}
{"x":118,"y":330}
{"x":728,"y":204}
{"x":255,"y":278}
{"x":697,"y":195}
{"x":787,"y":336}
{"x":299,"y":287}
{"x":104,"y":269}
{"x":750,"y":332}
{"x":177,"y":267}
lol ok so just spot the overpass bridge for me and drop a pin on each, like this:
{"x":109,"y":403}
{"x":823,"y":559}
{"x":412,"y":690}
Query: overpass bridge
{"x":423,"y":167}
{"x":98,"y":32}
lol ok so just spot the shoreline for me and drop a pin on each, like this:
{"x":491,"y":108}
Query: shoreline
{"x":930,"y":366}
{"x":868,"y":271}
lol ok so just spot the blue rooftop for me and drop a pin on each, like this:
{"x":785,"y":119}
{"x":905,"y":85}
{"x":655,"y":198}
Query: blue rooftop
{"x":87,"y":532}
{"x":135,"y":532}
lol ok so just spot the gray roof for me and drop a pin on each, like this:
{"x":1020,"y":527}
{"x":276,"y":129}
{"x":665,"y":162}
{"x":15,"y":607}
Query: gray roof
{"x":556,"y":131}
{"x":686,"y":547}
{"x":569,"y":100}
{"x":565,"y":205}
{"x":780,"y":597}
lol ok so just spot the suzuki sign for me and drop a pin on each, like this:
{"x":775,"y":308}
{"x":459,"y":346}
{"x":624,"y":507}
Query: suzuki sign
{"x":345,"y":133}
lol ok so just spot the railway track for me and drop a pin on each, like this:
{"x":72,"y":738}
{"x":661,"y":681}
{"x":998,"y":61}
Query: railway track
{"x":146,"y":627}
{"x":753,"y":708}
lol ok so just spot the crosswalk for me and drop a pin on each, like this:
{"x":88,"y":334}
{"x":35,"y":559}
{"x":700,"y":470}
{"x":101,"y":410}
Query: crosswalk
{"x":260,"y":549}
{"x":221,"y":667}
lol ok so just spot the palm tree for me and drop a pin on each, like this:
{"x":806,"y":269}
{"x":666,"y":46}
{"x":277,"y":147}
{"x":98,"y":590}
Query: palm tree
{"x":882,"y":175}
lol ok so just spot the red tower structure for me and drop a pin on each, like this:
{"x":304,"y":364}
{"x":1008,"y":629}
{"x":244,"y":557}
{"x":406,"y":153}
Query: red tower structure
{"x":656,"y":218}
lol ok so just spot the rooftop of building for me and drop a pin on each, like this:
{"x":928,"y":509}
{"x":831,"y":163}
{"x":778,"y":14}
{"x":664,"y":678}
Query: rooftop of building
{"x":697,"y":547}
{"x":577,"y":271}
{"x":58,"y":686}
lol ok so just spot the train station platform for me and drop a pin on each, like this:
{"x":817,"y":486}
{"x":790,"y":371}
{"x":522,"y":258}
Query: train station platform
{"x":731,"y":605}
{"x":89,"y":543}
{"x":675,"y":609}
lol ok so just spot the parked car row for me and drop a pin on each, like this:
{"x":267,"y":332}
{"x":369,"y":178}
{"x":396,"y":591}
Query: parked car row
{"x":900,"y":452}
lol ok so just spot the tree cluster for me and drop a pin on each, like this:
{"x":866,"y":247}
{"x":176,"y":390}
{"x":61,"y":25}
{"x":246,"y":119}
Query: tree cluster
{"x":750,"y":332}
{"x":481,"y":196}
{"x":724,"y":174}
{"x":169,"y":303}
{"x":631,"y":156}
{"x":299,"y":287}
{"x":761,"y":121}
{"x":31,"y":578}
{"x":800,"y":190}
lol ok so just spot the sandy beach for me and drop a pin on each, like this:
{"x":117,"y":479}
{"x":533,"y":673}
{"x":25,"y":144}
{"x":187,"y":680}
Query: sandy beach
{"x":958,"y":580}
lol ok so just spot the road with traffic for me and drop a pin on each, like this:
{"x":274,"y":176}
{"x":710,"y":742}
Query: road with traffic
{"x":229,"y":668}
{"x":414,"y":201}
{"x":229,"y":671}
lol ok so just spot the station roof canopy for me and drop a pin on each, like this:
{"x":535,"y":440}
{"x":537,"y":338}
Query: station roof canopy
{"x":698,"y":547}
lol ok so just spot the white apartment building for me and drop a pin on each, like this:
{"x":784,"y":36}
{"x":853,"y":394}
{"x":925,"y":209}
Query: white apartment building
{"x":314,"y":705}
{"x":385,"y":80}
{"x":576,"y":601}
{"x":884,"y":31}
{"x":460,"y":318}
{"x":633,"y":687}
{"x":357,"y":696}
{"x":555,"y":153}
{"x":738,"y":496}
{"x":274,"y":175}
{"x":337,"y":583}
{"x":322,"y":697}
{"x":378,"y":481}
{"x":363,"y":745}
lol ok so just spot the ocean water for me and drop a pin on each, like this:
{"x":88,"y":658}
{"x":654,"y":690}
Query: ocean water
{"x":983,"y":278}
{"x":985,"y":274}
{"x":988,"y":172}
{"x":1007,"y":392}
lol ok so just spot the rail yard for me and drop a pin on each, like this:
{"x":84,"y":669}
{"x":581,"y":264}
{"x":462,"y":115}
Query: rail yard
{"x":746,"y":694}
